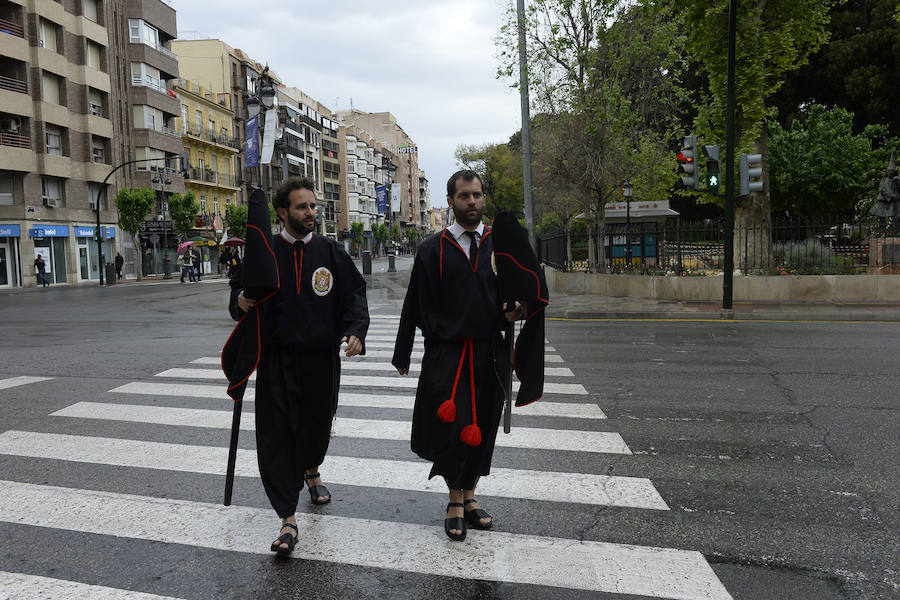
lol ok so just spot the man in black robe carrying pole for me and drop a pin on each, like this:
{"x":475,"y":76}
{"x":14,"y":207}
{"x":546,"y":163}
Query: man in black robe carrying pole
{"x":319,"y":303}
{"x":453,"y":298}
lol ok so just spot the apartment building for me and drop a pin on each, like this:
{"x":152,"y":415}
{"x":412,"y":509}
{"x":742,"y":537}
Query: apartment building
{"x":82,"y":90}
{"x":210,"y":151}
{"x":384,"y":129}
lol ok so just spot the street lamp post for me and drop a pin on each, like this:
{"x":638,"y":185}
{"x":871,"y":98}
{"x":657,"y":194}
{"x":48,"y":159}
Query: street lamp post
{"x":263,"y":98}
{"x":100,"y":261}
{"x":627,"y":190}
{"x":165,"y":181}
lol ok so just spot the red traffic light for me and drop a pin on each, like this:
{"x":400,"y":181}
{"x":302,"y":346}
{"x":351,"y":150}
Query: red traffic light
{"x":682,"y":157}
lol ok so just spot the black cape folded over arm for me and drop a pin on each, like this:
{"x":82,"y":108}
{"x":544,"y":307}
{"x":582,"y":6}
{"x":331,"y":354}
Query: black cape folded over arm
{"x":259,"y":281}
{"x":521,"y":278}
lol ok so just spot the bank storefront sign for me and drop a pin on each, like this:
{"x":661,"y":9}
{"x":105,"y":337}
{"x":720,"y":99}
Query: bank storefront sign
{"x":45,"y":231}
{"x":9,"y":230}
{"x":109,"y":233}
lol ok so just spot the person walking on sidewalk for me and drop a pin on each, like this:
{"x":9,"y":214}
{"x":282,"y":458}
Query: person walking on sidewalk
{"x":453,"y":298}
{"x":40,"y":268}
{"x":319,"y":303}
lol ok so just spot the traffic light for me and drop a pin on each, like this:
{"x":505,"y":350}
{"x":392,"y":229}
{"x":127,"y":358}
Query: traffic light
{"x":751,"y":173}
{"x":687,"y":163}
{"x":712,"y":168}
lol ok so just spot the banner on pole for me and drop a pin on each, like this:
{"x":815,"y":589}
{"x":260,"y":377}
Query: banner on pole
{"x":251,"y":145}
{"x":395,"y":197}
{"x":268,"y":146}
{"x":381,"y":195}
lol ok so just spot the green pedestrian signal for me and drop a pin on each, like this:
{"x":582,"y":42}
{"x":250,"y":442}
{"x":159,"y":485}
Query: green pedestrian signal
{"x":712,"y":168}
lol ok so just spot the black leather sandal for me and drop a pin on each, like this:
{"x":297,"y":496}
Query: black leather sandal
{"x":286,"y":538}
{"x":455,"y":523}
{"x":317,"y":490}
{"x":475,"y":516}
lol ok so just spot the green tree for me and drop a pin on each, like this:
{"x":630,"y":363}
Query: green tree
{"x":773,"y":38}
{"x":236,"y":221}
{"x":134,"y":205}
{"x":381,"y":233}
{"x":357,"y":229}
{"x":818,"y":167}
{"x":395,"y":232}
{"x":857,"y":69}
{"x":184,"y":210}
{"x":604,"y":75}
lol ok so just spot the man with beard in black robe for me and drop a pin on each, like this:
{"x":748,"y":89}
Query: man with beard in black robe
{"x":319,"y":303}
{"x":453,"y":298}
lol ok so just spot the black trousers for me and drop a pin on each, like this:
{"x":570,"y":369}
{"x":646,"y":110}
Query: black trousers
{"x":296,"y":397}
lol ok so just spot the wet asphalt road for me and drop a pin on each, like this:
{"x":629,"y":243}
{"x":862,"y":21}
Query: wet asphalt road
{"x":774,"y":445}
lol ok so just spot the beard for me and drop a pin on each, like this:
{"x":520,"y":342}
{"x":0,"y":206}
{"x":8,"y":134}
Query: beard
{"x":463,"y":218}
{"x":298,"y":227}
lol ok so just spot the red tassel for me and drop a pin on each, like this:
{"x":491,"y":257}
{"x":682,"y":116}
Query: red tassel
{"x":447,"y":411}
{"x":471,"y":435}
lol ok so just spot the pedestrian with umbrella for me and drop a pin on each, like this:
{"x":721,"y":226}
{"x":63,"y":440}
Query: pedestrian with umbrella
{"x":184,"y":260}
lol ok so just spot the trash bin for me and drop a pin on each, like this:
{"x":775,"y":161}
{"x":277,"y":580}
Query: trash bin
{"x":110,"y":270}
{"x":367,"y":262}
{"x":392,"y":268}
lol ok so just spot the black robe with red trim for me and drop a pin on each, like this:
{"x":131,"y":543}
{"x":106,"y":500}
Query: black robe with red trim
{"x":457,"y":308}
{"x":522,"y":279}
{"x":321,"y":299}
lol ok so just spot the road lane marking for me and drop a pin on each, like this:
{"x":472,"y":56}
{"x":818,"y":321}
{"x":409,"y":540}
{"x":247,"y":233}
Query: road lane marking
{"x":19,"y":586}
{"x":367,"y":381}
{"x":495,"y":556}
{"x":545,"y":408}
{"x":520,"y":437}
{"x":12,"y":382}
{"x":548,"y":486}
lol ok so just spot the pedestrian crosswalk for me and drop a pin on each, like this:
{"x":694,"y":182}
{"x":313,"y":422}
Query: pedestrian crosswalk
{"x":164,"y":424}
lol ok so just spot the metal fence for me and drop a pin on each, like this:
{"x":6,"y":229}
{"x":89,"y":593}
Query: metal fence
{"x":781,"y":246}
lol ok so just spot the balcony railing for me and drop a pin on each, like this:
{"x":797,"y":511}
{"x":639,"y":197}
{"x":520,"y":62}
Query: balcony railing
{"x":163,"y":50}
{"x":170,"y":131}
{"x":148,"y":81}
{"x":14,"y":85}
{"x":16,"y":140}
{"x":210,"y":176}
{"x":11,"y":28}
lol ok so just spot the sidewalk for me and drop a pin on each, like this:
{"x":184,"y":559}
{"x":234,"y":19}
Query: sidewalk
{"x":608,"y":307}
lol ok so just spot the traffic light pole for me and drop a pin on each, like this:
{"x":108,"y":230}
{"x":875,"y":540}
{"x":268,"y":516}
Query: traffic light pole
{"x":728,"y":280}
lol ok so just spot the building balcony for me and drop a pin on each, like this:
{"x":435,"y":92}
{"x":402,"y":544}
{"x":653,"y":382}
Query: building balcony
{"x":229,"y":143}
{"x":211,"y":178}
{"x":13,"y":85}
{"x":155,"y":56}
{"x":15,"y":140}
{"x":11,"y":28}
{"x":170,"y":143}
{"x":157,"y":96}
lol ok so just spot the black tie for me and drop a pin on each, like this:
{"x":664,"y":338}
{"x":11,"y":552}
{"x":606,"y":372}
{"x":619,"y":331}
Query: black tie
{"x":473,"y":247}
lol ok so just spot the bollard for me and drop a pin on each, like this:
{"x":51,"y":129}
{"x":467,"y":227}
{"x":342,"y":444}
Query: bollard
{"x":367,"y":262}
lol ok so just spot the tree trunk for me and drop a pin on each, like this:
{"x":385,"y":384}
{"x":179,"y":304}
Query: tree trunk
{"x":138,"y":257}
{"x":568,"y":230}
{"x":753,"y":219}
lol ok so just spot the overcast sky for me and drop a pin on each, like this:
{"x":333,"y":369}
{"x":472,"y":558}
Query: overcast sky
{"x":431,"y":63}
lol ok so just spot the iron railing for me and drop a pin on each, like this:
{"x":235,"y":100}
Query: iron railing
{"x":780,"y":246}
{"x":13,"y":85}
{"x":16,"y":140}
{"x":11,"y":28}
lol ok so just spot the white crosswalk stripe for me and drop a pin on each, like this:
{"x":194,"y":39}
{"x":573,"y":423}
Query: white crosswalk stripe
{"x":12,"y":382}
{"x":19,"y":586}
{"x":375,"y":407}
{"x":520,"y":437}
{"x":601,"y":490}
{"x":577,"y":410}
{"x":395,"y":381}
{"x":511,"y":558}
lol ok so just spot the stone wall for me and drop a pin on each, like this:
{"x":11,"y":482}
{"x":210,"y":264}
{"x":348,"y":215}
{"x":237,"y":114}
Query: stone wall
{"x":836,"y":289}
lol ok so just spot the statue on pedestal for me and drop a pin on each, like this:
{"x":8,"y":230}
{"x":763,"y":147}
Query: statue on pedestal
{"x":888,"y":204}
